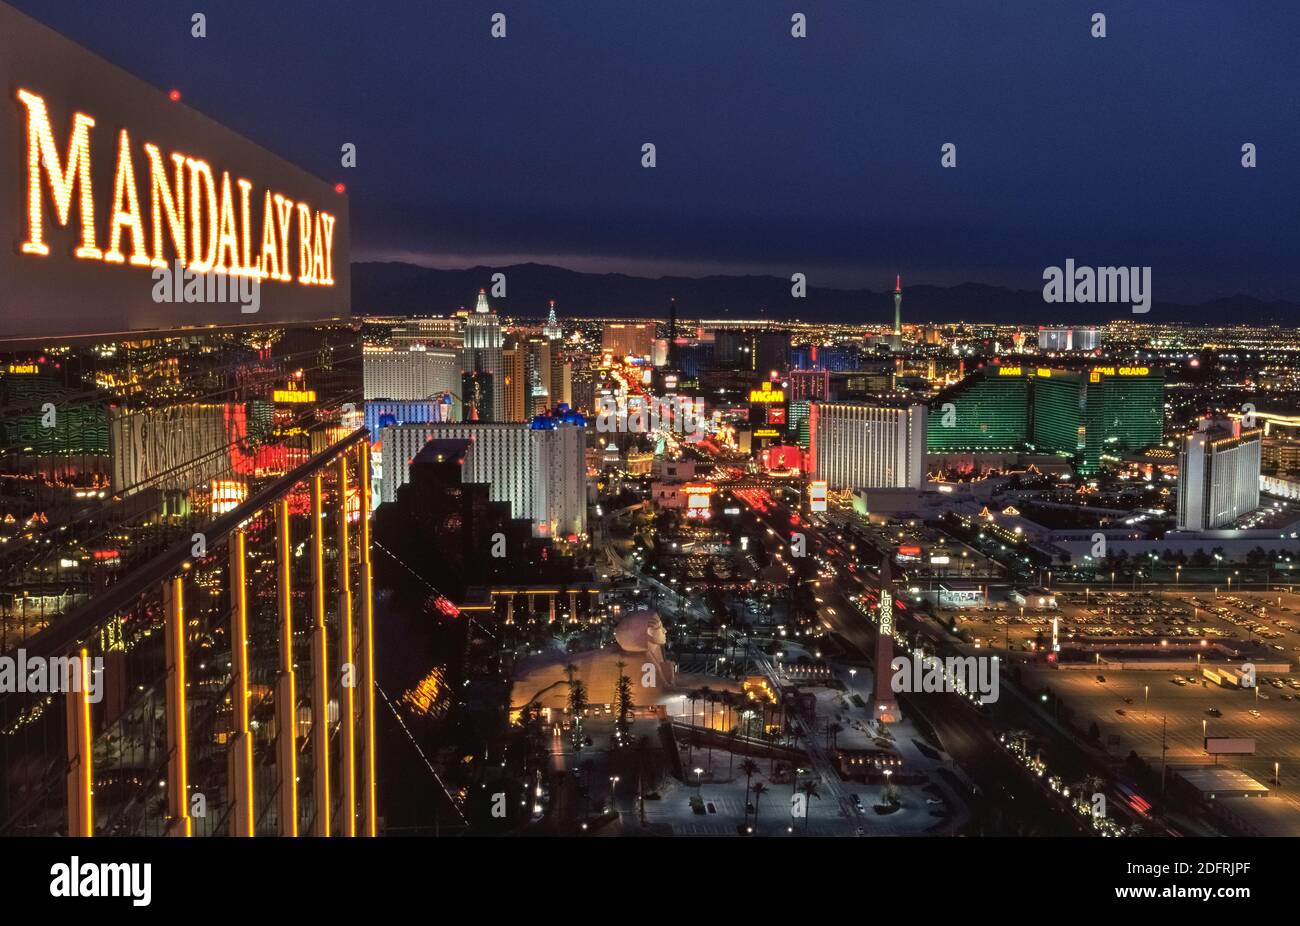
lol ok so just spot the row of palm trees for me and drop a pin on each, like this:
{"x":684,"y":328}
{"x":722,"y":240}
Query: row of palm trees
{"x":808,"y":787}
{"x":739,"y":711}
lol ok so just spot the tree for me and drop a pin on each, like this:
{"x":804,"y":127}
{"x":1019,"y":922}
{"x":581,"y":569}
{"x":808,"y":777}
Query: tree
{"x":750,"y":768}
{"x":695,"y":695}
{"x":759,"y":790}
{"x":578,"y":705}
{"x":530,"y":734}
{"x":623,"y":700}
{"x":833,"y":730}
{"x":810,"y":792}
{"x":710,"y":698}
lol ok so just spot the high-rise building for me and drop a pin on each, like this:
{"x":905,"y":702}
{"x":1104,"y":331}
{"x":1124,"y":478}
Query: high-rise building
{"x":561,"y":387}
{"x":628,"y":339}
{"x":552,"y":330}
{"x":987,"y":411}
{"x":411,"y":373}
{"x":1066,"y":339}
{"x":514,"y":382}
{"x":482,"y":355}
{"x":539,"y":466}
{"x":479,"y":395}
{"x":771,"y":352}
{"x":1087,"y":415}
{"x":429,"y":332}
{"x":859,"y":446}
{"x":1124,"y":411}
{"x":809,"y":384}
{"x":539,"y":370}
{"x":1218,"y":474}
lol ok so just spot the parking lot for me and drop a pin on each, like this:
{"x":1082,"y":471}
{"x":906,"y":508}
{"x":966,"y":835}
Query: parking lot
{"x":1270,"y":619}
{"x":1135,"y":710}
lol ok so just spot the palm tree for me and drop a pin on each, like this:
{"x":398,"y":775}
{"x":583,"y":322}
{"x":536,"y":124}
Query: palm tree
{"x":810,"y":791}
{"x":759,"y":789}
{"x":750,"y":768}
{"x":577,"y":704}
{"x":710,"y":700}
{"x":695,"y":695}
{"x":833,"y":730}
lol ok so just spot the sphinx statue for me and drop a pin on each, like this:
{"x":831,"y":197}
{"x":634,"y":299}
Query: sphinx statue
{"x":639,"y":640}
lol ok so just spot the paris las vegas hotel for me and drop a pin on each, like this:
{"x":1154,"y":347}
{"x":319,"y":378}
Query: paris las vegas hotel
{"x":184,"y":486}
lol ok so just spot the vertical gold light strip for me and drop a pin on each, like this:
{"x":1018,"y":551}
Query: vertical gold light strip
{"x":179,"y":822}
{"x":347,"y":707}
{"x":368,"y":734}
{"x":320,"y":708}
{"x":286,"y":695}
{"x":241,"y":744}
{"x":80,"y":778}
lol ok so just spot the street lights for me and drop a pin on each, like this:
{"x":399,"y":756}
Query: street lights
{"x":699,"y":772}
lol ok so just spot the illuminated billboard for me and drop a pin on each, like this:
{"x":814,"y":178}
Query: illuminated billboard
{"x":817,"y":495}
{"x":122,"y":208}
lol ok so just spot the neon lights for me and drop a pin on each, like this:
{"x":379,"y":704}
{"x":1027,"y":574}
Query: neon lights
{"x":293,"y":395}
{"x":320,"y":665}
{"x":349,"y":655}
{"x":205,"y":225}
{"x":817,"y":495}
{"x":1121,"y":371}
{"x":240,"y":693}
{"x":177,"y":708}
{"x":124,"y":194}
{"x":42,"y":153}
{"x":287,"y":706}
{"x":166,"y":202}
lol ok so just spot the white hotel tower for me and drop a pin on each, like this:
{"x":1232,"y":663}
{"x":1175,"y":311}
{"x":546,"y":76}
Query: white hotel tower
{"x":860,"y":446}
{"x":1218,"y":474}
{"x":539,"y":467}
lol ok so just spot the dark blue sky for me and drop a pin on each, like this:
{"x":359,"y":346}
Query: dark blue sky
{"x":775,"y":154}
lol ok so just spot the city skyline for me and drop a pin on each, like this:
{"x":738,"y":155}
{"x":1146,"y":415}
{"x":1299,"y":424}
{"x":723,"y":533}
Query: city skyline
{"x":852,"y":191}
{"x":954,"y":502}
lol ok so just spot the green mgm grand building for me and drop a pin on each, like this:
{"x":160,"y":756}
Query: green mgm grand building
{"x":1087,"y":415}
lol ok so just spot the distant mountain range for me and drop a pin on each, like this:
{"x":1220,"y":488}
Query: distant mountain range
{"x":409,"y":289}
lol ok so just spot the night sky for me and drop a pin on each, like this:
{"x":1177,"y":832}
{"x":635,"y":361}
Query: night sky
{"x":775,"y":154}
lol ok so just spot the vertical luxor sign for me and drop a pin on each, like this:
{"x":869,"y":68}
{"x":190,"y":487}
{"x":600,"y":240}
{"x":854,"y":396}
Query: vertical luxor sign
{"x":104,"y":182}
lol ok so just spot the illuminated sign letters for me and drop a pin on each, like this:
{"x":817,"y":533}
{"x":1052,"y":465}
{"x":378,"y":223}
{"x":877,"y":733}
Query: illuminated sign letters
{"x":192,"y":216}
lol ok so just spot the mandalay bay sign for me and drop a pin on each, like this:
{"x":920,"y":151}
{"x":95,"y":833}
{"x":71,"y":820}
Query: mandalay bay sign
{"x":104,"y":181}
